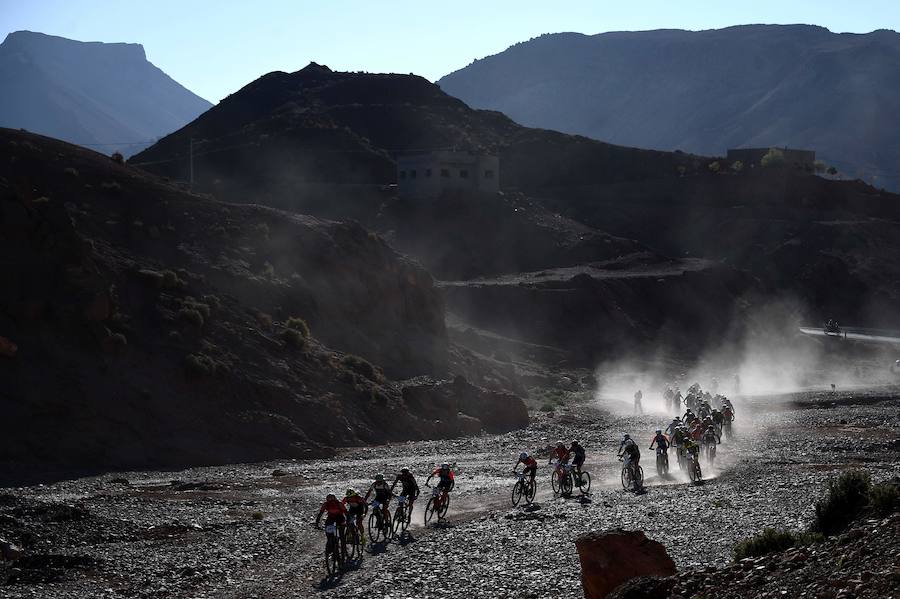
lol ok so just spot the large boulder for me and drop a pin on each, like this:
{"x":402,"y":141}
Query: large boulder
{"x":609,"y":559}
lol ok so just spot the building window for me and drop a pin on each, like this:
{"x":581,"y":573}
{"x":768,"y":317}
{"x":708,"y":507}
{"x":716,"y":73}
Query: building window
{"x":403,"y":174}
{"x":445,"y":172}
{"x":463,"y":173}
{"x":488,"y":174}
{"x":428,"y":172}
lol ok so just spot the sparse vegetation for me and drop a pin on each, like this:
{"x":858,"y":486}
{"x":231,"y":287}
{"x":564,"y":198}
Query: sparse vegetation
{"x":293,"y":338}
{"x":111,"y":186}
{"x":682,"y":170}
{"x":774,"y":157}
{"x":264,"y":320}
{"x":298,"y":324}
{"x":191,"y":316}
{"x":170,"y":280}
{"x":41,"y":200}
{"x":737,"y":166}
{"x":362,"y":367}
{"x":70,"y":172}
{"x":547,"y":407}
{"x":714,"y":167}
{"x":832,"y":171}
{"x":771,"y":540}
{"x":885,"y":498}
{"x":199,"y":365}
{"x":848,"y":495}
{"x":257,"y":516}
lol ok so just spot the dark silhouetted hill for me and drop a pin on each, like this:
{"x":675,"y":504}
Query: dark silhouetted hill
{"x":90,"y":92}
{"x":706,"y":91}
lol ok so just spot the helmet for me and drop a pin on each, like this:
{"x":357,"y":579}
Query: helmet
{"x":404,"y":470}
{"x":710,"y":428}
{"x":445,"y":465}
{"x":523,"y":455}
{"x":331,"y":497}
{"x":575,"y":442}
{"x":676,"y":419}
{"x":626,"y":437}
{"x":659,"y":431}
{"x":560,"y":444}
{"x":351,"y":492}
{"x":379,"y":477}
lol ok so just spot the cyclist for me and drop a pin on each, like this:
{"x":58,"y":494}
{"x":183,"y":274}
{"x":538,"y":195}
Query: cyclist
{"x":630,"y":452}
{"x":356,"y":507}
{"x":709,"y":436}
{"x":688,"y":416}
{"x":670,"y":430}
{"x":691,"y":449}
{"x":383,"y":495}
{"x":335,"y":509}
{"x":445,"y":476}
{"x":660,"y":440}
{"x":529,"y":465}
{"x":578,"y":455}
{"x":561,"y":454}
{"x":718,"y":420}
{"x":638,"y":396}
{"x":409,"y":488}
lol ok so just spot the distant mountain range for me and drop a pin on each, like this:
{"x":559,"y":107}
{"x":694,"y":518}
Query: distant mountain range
{"x":107,"y":96}
{"x":707,"y":91}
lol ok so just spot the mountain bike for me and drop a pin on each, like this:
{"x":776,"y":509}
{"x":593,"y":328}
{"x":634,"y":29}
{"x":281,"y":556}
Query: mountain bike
{"x":402,"y":516}
{"x":438,"y":504}
{"x":334,"y":549}
{"x":352,"y":540}
{"x":525,"y":487}
{"x":379,"y":526}
{"x":662,"y":462}
{"x":680,"y":458}
{"x":561,"y":479}
{"x":694,"y":468}
{"x":709,"y":451}
{"x":632,"y":477}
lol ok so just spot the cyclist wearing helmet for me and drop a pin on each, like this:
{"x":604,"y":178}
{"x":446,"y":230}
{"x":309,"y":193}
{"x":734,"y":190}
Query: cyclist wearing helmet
{"x":529,"y":465}
{"x":445,"y":477}
{"x":382,"y":495}
{"x":356,"y":507}
{"x":578,"y":455}
{"x":335,"y":509}
{"x":659,"y":439}
{"x":629,"y":450}
{"x":709,"y":436}
{"x":670,"y":430}
{"x":560,"y":453}
{"x":409,"y":486}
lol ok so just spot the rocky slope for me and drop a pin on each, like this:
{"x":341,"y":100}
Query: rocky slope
{"x":155,"y":327}
{"x":705,"y":91}
{"x":90,"y":92}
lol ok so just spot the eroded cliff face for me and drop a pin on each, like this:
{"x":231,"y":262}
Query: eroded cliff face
{"x":155,"y":327}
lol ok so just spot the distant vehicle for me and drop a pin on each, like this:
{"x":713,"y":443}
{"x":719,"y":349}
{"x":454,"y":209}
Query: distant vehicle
{"x":832,"y":327}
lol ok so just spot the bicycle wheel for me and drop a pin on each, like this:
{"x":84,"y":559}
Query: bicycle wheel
{"x":517,"y":493}
{"x":399,"y":521}
{"x":659,"y":465}
{"x":554,"y":481}
{"x":698,"y":473}
{"x":626,"y":478}
{"x":639,"y":477}
{"x":565,"y":485}
{"x":585,"y":483}
{"x":429,"y":511}
{"x":332,"y":557}
{"x":376,"y":531}
{"x":354,"y":548}
{"x":530,"y":491}
{"x":445,"y":505}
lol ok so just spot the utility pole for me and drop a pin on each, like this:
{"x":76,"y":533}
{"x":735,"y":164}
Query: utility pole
{"x":192,"y":162}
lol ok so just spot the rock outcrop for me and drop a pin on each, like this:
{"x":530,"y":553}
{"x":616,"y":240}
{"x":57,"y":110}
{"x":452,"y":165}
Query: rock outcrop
{"x":612,"y":558}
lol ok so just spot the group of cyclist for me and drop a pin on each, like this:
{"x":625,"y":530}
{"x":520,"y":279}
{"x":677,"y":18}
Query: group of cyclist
{"x":355,"y":506}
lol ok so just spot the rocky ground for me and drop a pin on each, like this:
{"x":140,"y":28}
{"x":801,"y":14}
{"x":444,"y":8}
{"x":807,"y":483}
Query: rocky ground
{"x":245,"y":530}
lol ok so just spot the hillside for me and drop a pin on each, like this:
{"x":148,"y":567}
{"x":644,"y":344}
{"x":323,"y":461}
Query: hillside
{"x":706,"y":91}
{"x":158,"y":328}
{"x":90,"y":93}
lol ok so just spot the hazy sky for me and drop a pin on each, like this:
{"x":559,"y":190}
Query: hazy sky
{"x":216,"y":47}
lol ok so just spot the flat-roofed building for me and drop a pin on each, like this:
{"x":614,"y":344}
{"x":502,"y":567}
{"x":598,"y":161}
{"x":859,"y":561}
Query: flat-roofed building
{"x":428,"y":174}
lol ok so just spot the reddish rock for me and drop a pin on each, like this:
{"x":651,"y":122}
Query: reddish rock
{"x":613,"y":558}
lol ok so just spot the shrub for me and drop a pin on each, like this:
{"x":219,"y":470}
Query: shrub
{"x":264,"y":320}
{"x":212,"y":301}
{"x":298,"y":324}
{"x":111,"y":186}
{"x":293,"y":338}
{"x":257,"y":516}
{"x":191,"y":316}
{"x":362,"y":367}
{"x":737,"y":166}
{"x":268,"y":271}
{"x":547,"y":407}
{"x":885,"y":498}
{"x":118,"y":158}
{"x":70,"y":172}
{"x":681,"y":170}
{"x":819,"y":166}
{"x":170,"y":280}
{"x":774,"y":157}
{"x":832,"y":171}
{"x":714,"y":167}
{"x":199,"y":365}
{"x":192,"y":304}
{"x":771,"y":540}
{"x":847,"y":496}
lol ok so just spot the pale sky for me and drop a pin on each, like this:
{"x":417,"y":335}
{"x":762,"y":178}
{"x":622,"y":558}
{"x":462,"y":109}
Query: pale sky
{"x":216,"y":47}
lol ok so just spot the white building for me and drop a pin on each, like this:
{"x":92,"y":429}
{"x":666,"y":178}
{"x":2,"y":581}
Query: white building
{"x":428,"y":174}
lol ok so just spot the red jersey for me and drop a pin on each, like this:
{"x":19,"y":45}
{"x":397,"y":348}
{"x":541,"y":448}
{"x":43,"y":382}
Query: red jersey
{"x":353,"y":501}
{"x":333,"y":507}
{"x":443,"y":477}
{"x":528,"y":462}
{"x":562,"y":454}
{"x":697,"y":433}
